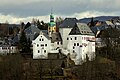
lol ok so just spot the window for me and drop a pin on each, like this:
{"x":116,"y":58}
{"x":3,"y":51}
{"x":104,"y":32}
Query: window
{"x":45,"y":44}
{"x":37,"y":45}
{"x":67,"y":38}
{"x":42,"y":44}
{"x":71,"y":38}
{"x":44,"y":51}
{"x":73,"y":51}
{"x":75,"y":38}
{"x":73,"y":47}
{"x":42,"y":39}
{"x":58,"y":43}
{"x":74,"y":44}
{"x":77,"y":44}
{"x":38,"y":51}
{"x":61,"y":43}
{"x":39,"y":39}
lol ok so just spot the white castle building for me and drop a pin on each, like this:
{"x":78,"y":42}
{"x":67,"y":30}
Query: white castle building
{"x":77,"y":40}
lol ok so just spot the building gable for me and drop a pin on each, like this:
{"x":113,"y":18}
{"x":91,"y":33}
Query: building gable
{"x":81,"y":29}
{"x":75,"y":31}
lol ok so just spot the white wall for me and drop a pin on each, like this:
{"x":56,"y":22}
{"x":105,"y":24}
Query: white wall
{"x":64,"y":34}
{"x":41,"y":48}
{"x":81,"y":47}
{"x":8,"y":50}
{"x":57,"y":44}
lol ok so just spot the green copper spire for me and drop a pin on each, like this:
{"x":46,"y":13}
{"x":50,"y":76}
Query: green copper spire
{"x":52,"y":23}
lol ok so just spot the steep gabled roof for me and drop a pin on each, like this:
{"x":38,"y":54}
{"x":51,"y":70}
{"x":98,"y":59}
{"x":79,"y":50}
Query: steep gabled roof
{"x":56,"y":37}
{"x":81,"y":29}
{"x":43,"y":32}
{"x":68,"y":23}
{"x":32,"y":29}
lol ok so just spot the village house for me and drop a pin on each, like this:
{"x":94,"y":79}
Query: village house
{"x":81,"y":43}
{"x":41,"y":46}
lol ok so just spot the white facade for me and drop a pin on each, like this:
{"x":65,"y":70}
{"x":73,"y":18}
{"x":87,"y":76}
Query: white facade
{"x":64,"y":34}
{"x":4,"y":50}
{"x":79,"y":46}
{"x":41,"y":46}
{"x":56,"y":45}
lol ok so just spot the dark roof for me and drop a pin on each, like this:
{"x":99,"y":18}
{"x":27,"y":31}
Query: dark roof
{"x":68,"y":23}
{"x":81,"y":29}
{"x":35,"y":36}
{"x":44,"y":33}
{"x":99,"y":28}
{"x":32,"y":29}
{"x":56,"y":37}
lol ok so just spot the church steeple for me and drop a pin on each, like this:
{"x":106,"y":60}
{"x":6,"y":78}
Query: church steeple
{"x":52,"y":24}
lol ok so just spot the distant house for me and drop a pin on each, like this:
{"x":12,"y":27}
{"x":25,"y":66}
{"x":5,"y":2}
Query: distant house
{"x":65,"y":29}
{"x":81,"y":43}
{"x":41,"y":46}
{"x":7,"y":49}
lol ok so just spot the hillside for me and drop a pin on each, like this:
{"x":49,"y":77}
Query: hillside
{"x":100,"y":18}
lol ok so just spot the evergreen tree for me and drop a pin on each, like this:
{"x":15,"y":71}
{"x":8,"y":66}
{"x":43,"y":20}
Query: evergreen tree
{"x":23,"y":44}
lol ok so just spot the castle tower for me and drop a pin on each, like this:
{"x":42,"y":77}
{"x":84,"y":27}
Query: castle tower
{"x":52,"y":25}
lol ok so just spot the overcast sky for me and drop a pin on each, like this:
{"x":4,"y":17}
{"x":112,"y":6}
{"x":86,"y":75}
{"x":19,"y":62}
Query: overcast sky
{"x":15,"y":11}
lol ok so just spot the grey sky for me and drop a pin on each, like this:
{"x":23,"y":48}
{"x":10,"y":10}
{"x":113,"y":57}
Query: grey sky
{"x":27,"y":8}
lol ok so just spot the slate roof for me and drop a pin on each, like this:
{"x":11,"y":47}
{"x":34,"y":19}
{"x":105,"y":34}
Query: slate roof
{"x":56,"y":37}
{"x":81,"y":29}
{"x":32,"y":29}
{"x":95,"y":29}
{"x":68,"y":23}
{"x":44,"y":33}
